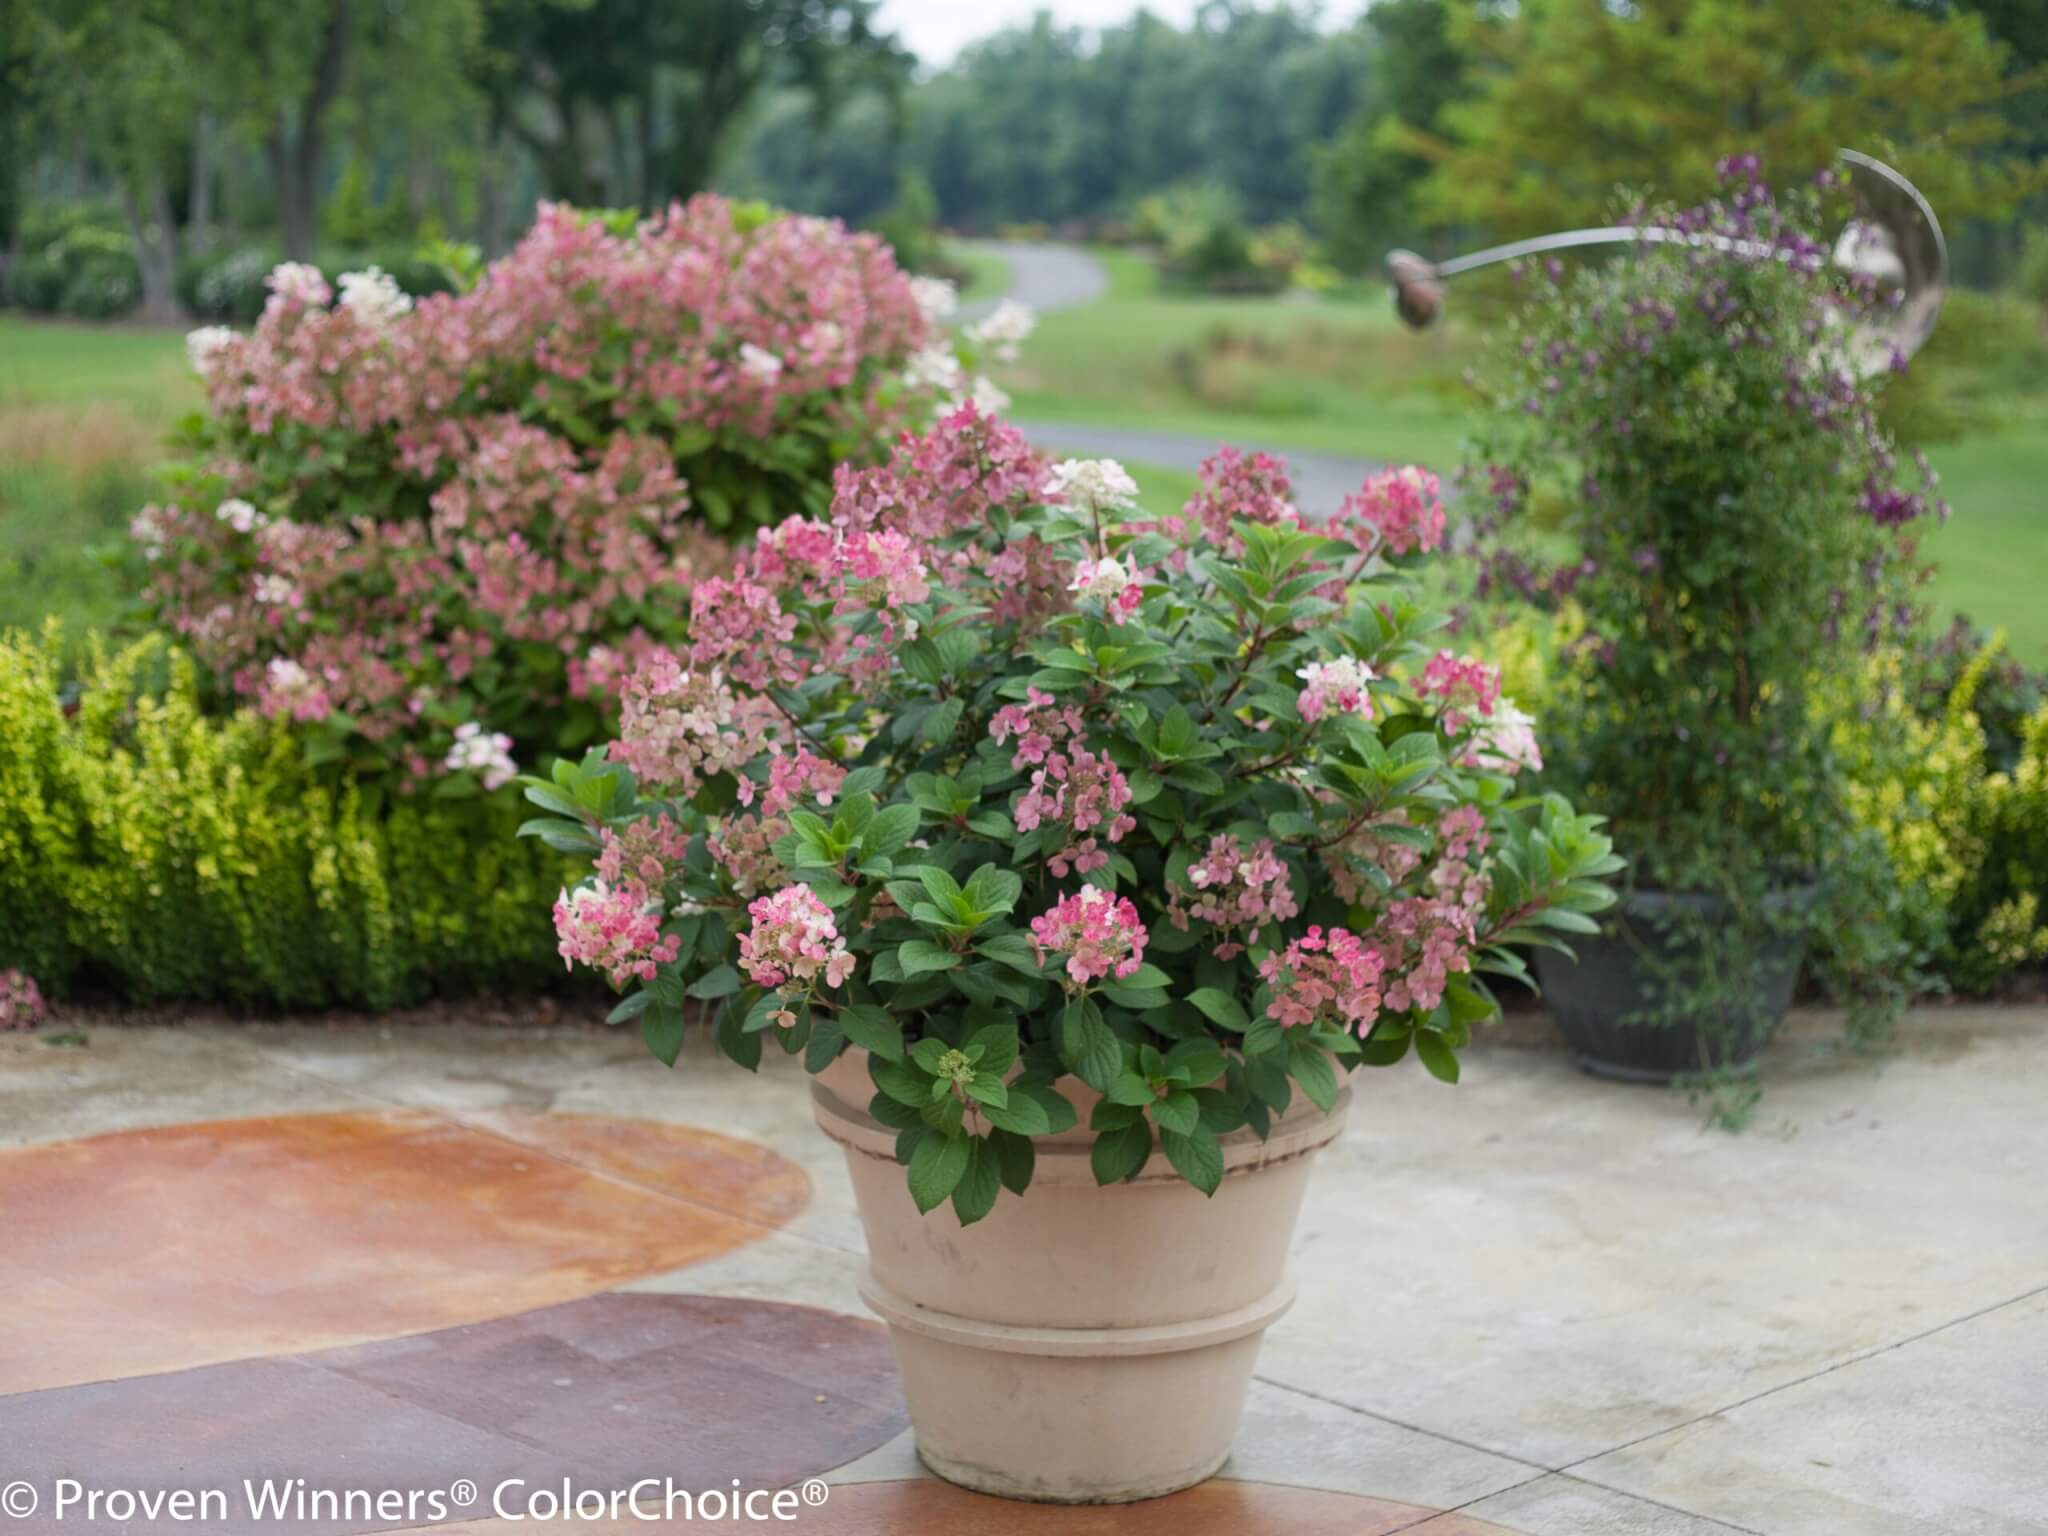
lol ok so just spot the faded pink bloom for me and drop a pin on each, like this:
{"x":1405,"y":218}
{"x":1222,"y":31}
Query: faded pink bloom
{"x":1235,"y":889}
{"x":678,"y":728}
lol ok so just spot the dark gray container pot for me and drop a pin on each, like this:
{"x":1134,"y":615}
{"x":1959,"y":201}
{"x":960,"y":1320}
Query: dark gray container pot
{"x":1617,"y":976}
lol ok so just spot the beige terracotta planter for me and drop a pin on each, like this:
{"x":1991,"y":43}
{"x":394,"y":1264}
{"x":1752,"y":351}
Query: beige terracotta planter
{"x":1079,"y":1345}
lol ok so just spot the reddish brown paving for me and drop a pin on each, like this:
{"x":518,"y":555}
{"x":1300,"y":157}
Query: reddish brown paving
{"x":156,"y":1250}
{"x":932,"y":1508}
{"x":598,"y":1393}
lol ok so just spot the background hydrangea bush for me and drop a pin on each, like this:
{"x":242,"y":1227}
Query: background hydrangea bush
{"x":1000,"y":781}
{"x":403,"y":517}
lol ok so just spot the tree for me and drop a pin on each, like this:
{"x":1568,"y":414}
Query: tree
{"x":1366,"y":177}
{"x":632,"y":101}
{"x":114,"y":75}
{"x":1577,"y":99}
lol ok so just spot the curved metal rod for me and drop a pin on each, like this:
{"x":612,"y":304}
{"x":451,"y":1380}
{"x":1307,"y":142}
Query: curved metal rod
{"x":1902,"y":241}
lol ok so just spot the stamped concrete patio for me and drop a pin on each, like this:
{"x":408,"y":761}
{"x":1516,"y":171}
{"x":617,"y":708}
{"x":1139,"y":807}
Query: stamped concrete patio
{"x":404,"y":1258}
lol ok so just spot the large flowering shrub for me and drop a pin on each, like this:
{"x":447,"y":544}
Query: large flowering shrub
{"x":477,"y":509}
{"x":991,"y":776}
{"x":1688,"y":465}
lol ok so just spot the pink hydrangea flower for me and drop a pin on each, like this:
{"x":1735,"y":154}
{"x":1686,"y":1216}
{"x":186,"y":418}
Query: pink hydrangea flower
{"x":1465,"y":685}
{"x":794,"y":940}
{"x":1098,"y":934}
{"x":1335,"y":688}
{"x":1038,"y":724}
{"x":1401,"y":510}
{"x":1328,"y":977}
{"x":794,"y":777}
{"x":1240,"y":487}
{"x":613,"y":929}
{"x":1080,"y":791}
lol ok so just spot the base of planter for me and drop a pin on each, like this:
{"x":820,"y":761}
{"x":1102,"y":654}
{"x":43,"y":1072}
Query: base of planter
{"x":1083,"y":1344}
{"x":1081,"y":1403}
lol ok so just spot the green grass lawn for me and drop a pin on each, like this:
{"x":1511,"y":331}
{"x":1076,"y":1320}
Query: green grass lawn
{"x":83,"y":415}
{"x":988,"y":275}
{"x":51,"y":363}
{"x":1342,"y":375}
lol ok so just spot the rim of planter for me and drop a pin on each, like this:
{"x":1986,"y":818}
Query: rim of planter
{"x":1015,"y":1339}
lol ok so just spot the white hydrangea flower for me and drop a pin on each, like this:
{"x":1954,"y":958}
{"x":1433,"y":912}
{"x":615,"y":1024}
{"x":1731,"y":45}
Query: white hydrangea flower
{"x":1004,"y":329}
{"x":1093,"y":485}
{"x":299,"y":281}
{"x":373,"y":296}
{"x":1505,"y":741}
{"x":488,"y":757}
{"x":1336,"y":687}
{"x":205,"y":347}
{"x":1105,"y":578}
{"x":935,"y":297}
{"x":983,"y":396}
{"x":239,"y":515}
{"x":276,"y":591}
{"x":151,"y":528}
{"x":759,"y":363}
{"x":934,"y":367}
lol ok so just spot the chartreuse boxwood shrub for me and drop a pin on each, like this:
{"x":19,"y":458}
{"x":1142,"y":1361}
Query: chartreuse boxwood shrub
{"x":1002,"y":784}
{"x":163,"y":854}
{"x":401,"y":517}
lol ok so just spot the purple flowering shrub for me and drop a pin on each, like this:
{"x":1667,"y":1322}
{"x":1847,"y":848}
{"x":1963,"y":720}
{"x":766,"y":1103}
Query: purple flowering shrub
{"x":1686,"y":461}
{"x":996,"y":778}
{"x":1686,"y":468}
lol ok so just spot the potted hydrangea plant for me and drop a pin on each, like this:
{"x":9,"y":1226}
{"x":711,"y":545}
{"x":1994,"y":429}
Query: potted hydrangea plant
{"x":1689,"y":472}
{"x":1081,"y":855}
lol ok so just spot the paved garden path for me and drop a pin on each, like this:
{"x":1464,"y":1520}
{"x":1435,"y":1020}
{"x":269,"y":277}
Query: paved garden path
{"x":397,"y":1255}
{"x":1053,"y":277}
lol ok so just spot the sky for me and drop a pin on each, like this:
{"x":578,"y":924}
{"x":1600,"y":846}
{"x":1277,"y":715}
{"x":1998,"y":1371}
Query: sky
{"x":935,"y":30}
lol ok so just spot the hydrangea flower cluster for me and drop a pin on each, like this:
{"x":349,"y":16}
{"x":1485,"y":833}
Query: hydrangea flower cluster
{"x":615,"y":930}
{"x":1403,"y":508}
{"x":1463,"y":685}
{"x":938,"y":777}
{"x":794,"y":943}
{"x":1328,"y":978}
{"x":21,"y":1002}
{"x":1095,"y":934}
{"x":452,"y":508}
{"x":1335,"y":688}
{"x":1235,"y":890}
{"x":487,"y":754}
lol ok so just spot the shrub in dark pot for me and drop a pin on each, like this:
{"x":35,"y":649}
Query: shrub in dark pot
{"x":1685,"y":470}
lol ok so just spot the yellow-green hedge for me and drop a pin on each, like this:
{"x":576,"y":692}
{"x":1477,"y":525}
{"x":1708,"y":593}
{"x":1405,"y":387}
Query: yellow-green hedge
{"x":162,"y":854}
